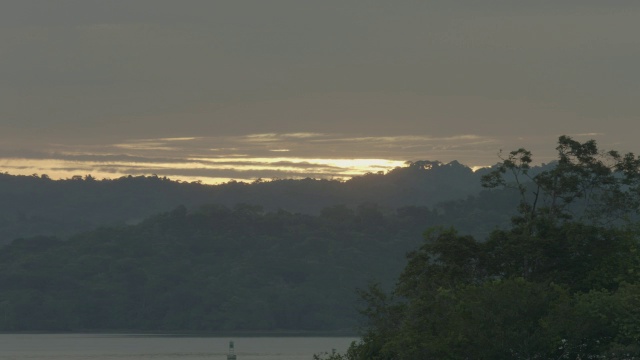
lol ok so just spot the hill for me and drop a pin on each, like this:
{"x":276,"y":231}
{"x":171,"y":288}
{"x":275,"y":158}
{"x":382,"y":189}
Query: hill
{"x":219,"y":269}
{"x":37,"y":205}
{"x":212,"y":269}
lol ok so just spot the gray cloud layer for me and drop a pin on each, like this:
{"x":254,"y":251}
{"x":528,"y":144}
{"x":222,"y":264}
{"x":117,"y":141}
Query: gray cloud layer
{"x":94,"y":73}
{"x":248,"y":157}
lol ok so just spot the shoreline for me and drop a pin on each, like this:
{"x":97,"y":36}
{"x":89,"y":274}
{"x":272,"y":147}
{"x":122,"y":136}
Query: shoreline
{"x":212,"y":334}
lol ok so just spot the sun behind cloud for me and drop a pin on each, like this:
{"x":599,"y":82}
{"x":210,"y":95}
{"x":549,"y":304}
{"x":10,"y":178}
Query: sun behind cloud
{"x":214,"y":160}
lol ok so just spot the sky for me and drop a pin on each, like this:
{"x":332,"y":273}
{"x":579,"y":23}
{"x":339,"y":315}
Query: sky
{"x":201,"y":90}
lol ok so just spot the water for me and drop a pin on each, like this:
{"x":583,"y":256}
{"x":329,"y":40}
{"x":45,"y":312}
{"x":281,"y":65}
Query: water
{"x":144,"y":347}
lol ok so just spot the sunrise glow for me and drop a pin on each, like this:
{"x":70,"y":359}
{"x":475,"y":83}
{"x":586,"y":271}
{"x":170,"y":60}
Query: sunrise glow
{"x":206,"y":170}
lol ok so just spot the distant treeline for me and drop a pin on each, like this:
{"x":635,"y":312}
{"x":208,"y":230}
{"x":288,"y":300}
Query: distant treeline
{"x":37,"y":205}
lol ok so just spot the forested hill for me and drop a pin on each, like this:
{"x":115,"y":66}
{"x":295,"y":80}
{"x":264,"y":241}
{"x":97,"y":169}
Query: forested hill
{"x":212,"y":269}
{"x":240,"y":267}
{"x":38,"y":205}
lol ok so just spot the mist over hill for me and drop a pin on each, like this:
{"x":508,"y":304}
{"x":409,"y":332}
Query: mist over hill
{"x":148,"y":253}
{"x":215,"y":269}
{"x":37,"y":205}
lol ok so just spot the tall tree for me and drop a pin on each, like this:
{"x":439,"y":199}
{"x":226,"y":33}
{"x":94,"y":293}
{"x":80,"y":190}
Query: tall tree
{"x":563,"y":282}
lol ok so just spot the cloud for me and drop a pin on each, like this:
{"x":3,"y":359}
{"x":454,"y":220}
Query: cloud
{"x":266,"y":155}
{"x":159,"y":82}
{"x":245,"y":157}
{"x":205,"y":171}
{"x":179,"y":139}
{"x":592,"y":134}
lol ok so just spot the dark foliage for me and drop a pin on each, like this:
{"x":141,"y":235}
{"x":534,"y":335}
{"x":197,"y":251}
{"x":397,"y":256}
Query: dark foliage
{"x":562,"y":283}
{"x":36,"y":205}
{"x":212,"y":269}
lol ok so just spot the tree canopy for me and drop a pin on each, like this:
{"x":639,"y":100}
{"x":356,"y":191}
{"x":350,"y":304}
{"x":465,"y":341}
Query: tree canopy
{"x":562,"y":282}
{"x":209,"y":269}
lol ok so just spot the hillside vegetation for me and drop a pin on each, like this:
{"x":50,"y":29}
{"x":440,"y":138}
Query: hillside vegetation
{"x":562,"y":282}
{"x":37,"y":205}
{"x":208,"y":270}
{"x":216,"y":267}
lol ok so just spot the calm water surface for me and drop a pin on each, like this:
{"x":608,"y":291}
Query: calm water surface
{"x":139,"y":347}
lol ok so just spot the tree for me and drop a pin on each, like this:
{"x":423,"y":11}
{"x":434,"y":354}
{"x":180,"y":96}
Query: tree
{"x":561,"y":283}
{"x":585,"y":184}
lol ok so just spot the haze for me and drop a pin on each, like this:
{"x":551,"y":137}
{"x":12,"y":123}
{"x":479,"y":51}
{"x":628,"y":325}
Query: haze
{"x":219,"y":90}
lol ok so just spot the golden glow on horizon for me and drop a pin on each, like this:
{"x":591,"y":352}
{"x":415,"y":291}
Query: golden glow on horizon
{"x":218,"y":169}
{"x":320,"y":161}
{"x":476,"y":168}
{"x":215,"y":160}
